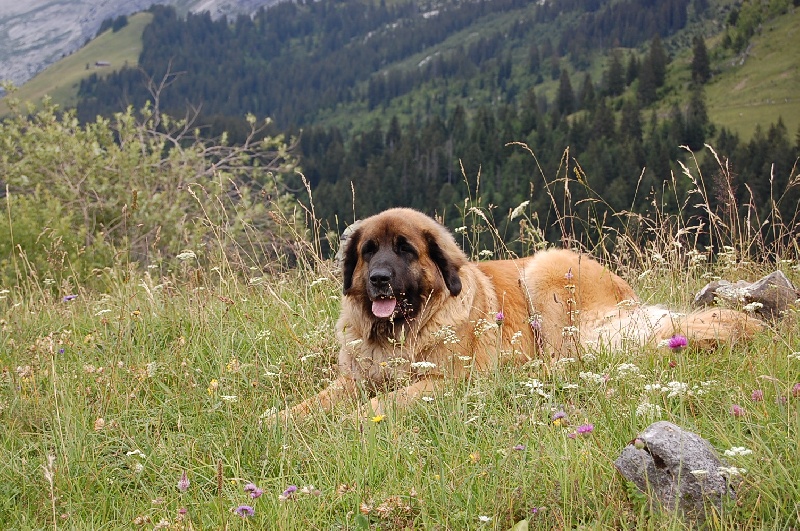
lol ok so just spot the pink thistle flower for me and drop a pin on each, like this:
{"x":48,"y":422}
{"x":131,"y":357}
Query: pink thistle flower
{"x":253,"y":490}
{"x":499,"y":318}
{"x":757,"y":395}
{"x":183,"y":483}
{"x":677,"y":342}
{"x":583,"y":429}
{"x":519,"y":447}
{"x":244,"y":511}
{"x":737,"y":410}
{"x":796,"y":390}
{"x":288,"y":493}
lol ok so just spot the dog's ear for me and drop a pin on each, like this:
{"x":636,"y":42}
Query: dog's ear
{"x":350,"y":259}
{"x":448,"y":257}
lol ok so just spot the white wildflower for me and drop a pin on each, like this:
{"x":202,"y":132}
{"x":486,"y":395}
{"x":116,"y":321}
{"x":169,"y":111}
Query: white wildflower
{"x":648,"y":410}
{"x":423,"y":365}
{"x":628,"y":369}
{"x":484,"y":519}
{"x":460,"y":230}
{"x":593,"y":377}
{"x":152,"y":368}
{"x":569,"y":331}
{"x":737,"y":451}
{"x":310,"y":356}
{"x":518,"y":211}
{"x":186,"y":255}
{"x":731,"y":472}
{"x":676,"y":389}
{"x":752,"y":307}
{"x":447,"y":335}
{"x":319,"y":281}
{"x":794,"y":356}
{"x":229,"y":398}
{"x":486,"y":253}
{"x":516,"y":337}
{"x":482,"y":326}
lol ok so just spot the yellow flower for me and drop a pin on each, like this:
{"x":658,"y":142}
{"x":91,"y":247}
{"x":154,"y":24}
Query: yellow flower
{"x":213,"y":385}
{"x":475,"y":457}
{"x":378,"y":418}
{"x":558,"y":422}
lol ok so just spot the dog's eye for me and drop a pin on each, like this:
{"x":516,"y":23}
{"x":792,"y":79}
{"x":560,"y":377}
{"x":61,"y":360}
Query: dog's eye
{"x":369,"y":249}
{"x":404,"y":247}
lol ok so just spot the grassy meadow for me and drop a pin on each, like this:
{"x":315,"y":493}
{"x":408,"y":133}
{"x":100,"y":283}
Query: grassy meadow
{"x":144,"y":401}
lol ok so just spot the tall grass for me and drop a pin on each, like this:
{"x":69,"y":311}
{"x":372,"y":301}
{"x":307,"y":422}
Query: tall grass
{"x":108,"y":398}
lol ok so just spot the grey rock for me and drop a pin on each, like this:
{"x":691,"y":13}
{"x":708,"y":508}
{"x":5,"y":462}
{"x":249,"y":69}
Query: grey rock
{"x":661,"y":462}
{"x":775,"y":292}
{"x":343,"y":243}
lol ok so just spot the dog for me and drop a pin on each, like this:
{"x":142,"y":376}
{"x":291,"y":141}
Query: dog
{"x":416,"y":311}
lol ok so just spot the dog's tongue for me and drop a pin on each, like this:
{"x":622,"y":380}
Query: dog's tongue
{"x":383,"y":307}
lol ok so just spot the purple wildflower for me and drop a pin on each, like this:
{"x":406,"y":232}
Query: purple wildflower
{"x":183,"y":483}
{"x":584,"y":429}
{"x":68,"y":298}
{"x":244,"y":511}
{"x":677,"y":342}
{"x":182,"y":510}
{"x":796,"y":390}
{"x":288,"y":493}
{"x":737,"y":410}
{"x":569,"y":275}
{"x":559,"y":415}
{"x":757,"y":395}
{"x":519,"y":447}
{"x":253,"y":490}
{"x":499,"y":317}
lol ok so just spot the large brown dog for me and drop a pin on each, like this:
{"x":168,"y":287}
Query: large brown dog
{"x":415,"y":310}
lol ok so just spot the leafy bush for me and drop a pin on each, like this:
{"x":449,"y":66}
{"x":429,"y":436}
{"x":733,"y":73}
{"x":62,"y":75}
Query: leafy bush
{"x":138,"y":189}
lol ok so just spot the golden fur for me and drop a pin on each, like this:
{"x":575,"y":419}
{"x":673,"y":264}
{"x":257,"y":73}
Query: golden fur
{"x":555,"y":303}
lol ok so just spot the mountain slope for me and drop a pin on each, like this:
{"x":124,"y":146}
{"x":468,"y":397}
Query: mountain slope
{"x":38,"y":33}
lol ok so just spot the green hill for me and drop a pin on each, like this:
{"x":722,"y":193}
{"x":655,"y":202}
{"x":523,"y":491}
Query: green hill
{"x":766,"y":86}
{"x":60,"y":81}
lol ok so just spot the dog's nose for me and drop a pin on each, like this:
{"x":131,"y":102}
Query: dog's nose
{"x":380,"y":276}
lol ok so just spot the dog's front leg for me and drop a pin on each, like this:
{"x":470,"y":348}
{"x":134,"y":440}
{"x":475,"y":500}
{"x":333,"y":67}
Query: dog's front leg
{"x":340,"y":390}
{"x":405,"y":396}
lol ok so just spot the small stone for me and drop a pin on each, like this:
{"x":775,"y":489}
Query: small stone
{"x":663,"y":462}
{"x":774,"y":292}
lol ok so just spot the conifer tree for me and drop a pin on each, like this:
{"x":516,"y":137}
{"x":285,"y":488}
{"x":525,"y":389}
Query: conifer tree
{"x":701,"y":68}
{"x":658,"y":61}
{"x":615,"y":75}
{"x":565,"y":99}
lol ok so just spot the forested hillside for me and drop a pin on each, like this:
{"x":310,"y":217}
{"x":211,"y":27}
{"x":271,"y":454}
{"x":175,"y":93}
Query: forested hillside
{"x":393,"y":100}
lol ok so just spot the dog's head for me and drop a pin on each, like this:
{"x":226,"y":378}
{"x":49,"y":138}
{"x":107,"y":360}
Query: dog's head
{"x":394,"y":261}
